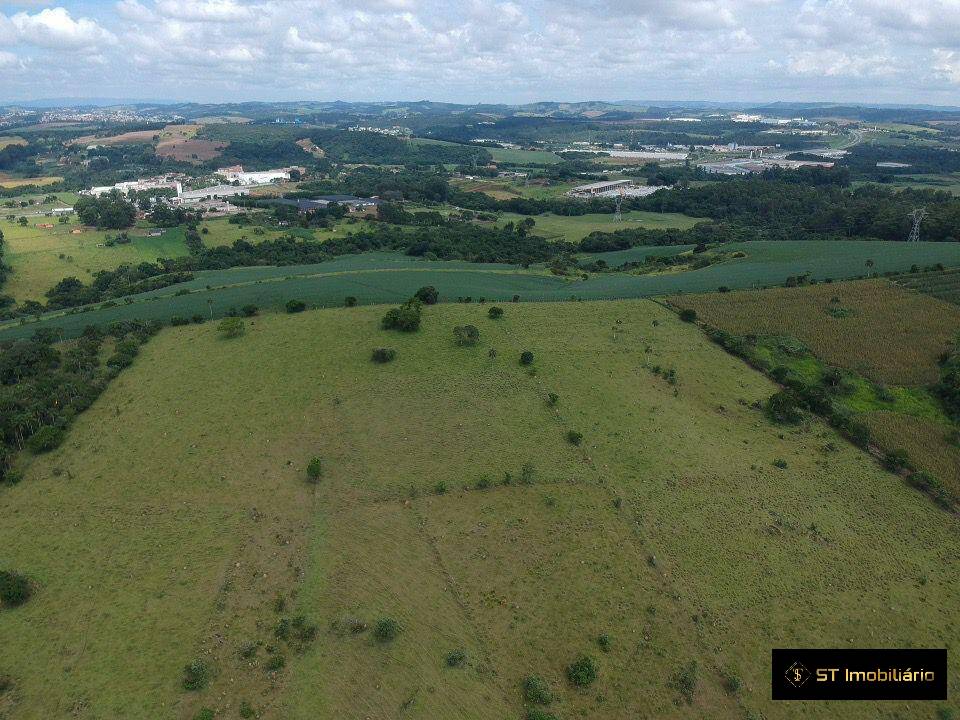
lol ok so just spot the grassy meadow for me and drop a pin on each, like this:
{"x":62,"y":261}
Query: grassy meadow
{"x":572,"y":228}
{"x":155,"y":536}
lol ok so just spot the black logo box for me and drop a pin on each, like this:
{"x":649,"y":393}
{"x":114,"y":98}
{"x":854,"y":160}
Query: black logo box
{"x":795,"y":674}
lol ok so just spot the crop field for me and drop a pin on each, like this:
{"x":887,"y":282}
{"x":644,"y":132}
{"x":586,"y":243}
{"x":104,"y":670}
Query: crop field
{"x":8,"y":140}
{"x":668,"y":530}
{"x":944,"y":284}
{"x":505,"y":189}
{"x":572,"y":228}
{"x":7,"y":181}
{"x":222,"y":232}
{"x":388,"y":277}
{"x":523,"y":157}
{"x":930,"y":442}
{"x":850,"y":325}
{"x":41,"y":257}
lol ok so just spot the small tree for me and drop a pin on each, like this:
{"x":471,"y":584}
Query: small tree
{"x":428,"y":295}
{"x":552,"y":399}
{"x":526,"y":358}
{"x":495,"y":312}
{"x":350,"y":301}
{"x":386,"y":629}
{"x":231,"y":327}
{"x":383,"y":355}
{"x":466,"y":334}
{"x":405,"y":318}
{"x":574,"y":437}
{"x":295,"y":306}
{"x":688,"y":315}
{"x":197,"y":675}
{"x":315,"y":469}
{"x":536,"y":690}
{"x":14,"y":589}
{"x":249,"y":310}
{"x":582,"y":671}
{"x":45,"y":439}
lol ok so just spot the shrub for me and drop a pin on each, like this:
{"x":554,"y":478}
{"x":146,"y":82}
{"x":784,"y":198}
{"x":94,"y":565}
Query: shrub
{"x":350,"y":301}
{"x":574,"y":437}
{"x":455,"y":658}
{"x":538,"y":714}
{"x":276,"y":662}
{"x":732,"y":683}
{"x":197,"y":675}
{"x":466,"y":335}
{"x":685,"y":682}
{"x":552,"y":399}
{"x":428,"y":295}
{"x":582,"y":671}
{"x":536,"y":690}
{"x":315,"y":468}
{"x":231,"y":327}
{"x":249,"y":310}
{"x":45,"y":439}
{"x":527,"y":474}
{"x":197,"y":319}
{"x":785,"y":408}
{"x":780,"y":463}
{"x":440,"y":488}
{"x":688,"y":315}
{"x":405,"y":318}
{"x":245,"y":710}
{"x":14,"y":589}
{"x":484,"y":483}
{"x":495,"y":313}
{"x":204,"y":713}
{"x":604,"y":642}
{"x":896,"y":460}
{"x":383,"y":355}
{"x":295,"y":306}
{"x":526,"y":358}
{"x":178,"y":320}
{"x":386,"y":629}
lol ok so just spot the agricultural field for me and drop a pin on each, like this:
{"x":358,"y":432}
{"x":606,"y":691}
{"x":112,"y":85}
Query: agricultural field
{"x":505,"y":189}
{"x":943,"y":284}
{"x":572,"y":228}
{"x":222,"y":232}
{"x":888,"y":339}
{"x":41,"y":257}
{"x":6,"y":181}
{"x":8,"y":140}
{"x":682,"y":538}
{"x":389,"y":277}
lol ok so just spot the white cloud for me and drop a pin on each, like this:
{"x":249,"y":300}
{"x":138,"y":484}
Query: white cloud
{"x":947,"y":64}
{"x":205,"y":10}
{"x":55,"y":28}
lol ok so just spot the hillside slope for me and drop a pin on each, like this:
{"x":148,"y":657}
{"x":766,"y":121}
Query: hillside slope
{"x":176,"y":523}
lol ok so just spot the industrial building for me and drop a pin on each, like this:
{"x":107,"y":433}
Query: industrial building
{"x":614,"y":188}
{"x":236,"y":173}
{"x":217,"y":191}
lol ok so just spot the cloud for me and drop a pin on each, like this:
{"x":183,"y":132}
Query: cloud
{"x":55,"y":28}
{"x":218,"y":11}
{"x":946,"y":63}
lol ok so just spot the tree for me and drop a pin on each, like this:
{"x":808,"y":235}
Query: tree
{"x":45,"y":439}
{"x":466,"y":335}
{"x":231,"y":327}
{"x":295,"y":306}
{"x":688,"y":315}
{"x":582,"y":671}
{"x":14,"y":589}
{"x":428,"y":295}
{"x":383,"y":355}
{"x":495,"y":313}
{"x":526,"y":358}
{"x":405,"y":318}
{"x":315,"y":469}
{"x":350,"y":301}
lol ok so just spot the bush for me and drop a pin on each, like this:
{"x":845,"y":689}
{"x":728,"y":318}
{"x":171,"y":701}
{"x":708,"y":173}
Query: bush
{"x":14,"y":589}
{"x":536,"y":690}
{"x":386,"y":629}
{"x":466,"y":335}
{"x":688,"y":315}
{"x":582,"y":671}
{"x":245,"y":710}
{"x":785,"y":408}
{"x":249,"y":310}
{"x":526,"y":358}
{"x":685,"y":682}
{"x":177,"y":320}
{"x":455,"y":658}
{"x":538,"y":714}
{"x":440,"y":488}
{"x":315,"y":468}
{"x":231,"y":327}
{"x":604,"y":642}
{"x":495,"y":313}
{"x":405,"y":318}
{"x":45,"y":439}
{"x":428,"y":295}
{"x":896,"y":460}
{"x":383,"y":355}
{"x":197,"y":675}
{"x":484,"y":483}
{"x":552,"y":399}
{"x":574,"y":437}
{"x":780,"y":463}
{"x":349,"y":301}
{"x":204,"y":713}
{"x":295,"y":306}
{"x":276,"y":663}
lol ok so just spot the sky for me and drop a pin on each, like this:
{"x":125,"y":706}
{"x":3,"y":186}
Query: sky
{"x":517,"y":51}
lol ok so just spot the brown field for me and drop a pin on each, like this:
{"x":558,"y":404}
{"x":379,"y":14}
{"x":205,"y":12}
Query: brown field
{"x":9,"y":140}
{"x":309,"y":147}
{"x":129,"y":138}
{"x":498,"y":191}
{"x":190,"y":150}
{"x":900,"y":347}
{"x":925,"y":441}
{"x":9,"y":182}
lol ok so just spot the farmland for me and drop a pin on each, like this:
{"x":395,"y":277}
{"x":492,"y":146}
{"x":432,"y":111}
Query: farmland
{"x":387,"y":277}
{"x":669,"y":530}
{"x":887,"y":340}
{"x":943,"y":284}
{"x":10,"y":182}
{"x":571,"y":228}
{"x":8,"y":140}
{"x":41,"y":257}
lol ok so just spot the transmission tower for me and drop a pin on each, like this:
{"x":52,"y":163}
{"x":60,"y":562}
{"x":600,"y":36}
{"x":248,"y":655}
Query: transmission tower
{"x":917,"y":216}
{"x":617,"y":216}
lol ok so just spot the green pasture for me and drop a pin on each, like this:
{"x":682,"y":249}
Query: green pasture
{"x":572,"y":228}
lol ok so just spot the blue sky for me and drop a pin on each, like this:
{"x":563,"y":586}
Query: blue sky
{"x":482,"y":51}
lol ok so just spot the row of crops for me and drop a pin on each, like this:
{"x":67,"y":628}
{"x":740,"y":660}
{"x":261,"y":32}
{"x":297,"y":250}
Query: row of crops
{"x":387,"y":278}
{"x":944,"y":284}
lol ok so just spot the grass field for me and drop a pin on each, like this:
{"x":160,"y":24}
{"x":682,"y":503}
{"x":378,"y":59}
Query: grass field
{"x":850,"y":325}
{"x":572,"y":228}
{"x":220,"y":231}
{"x":874,"y":329}
{"x":42,"y":257}
{"x":388,"y":277}
{"x":9,"y":182}
{"x":155,"y":537}
{"x":505,"y":189}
